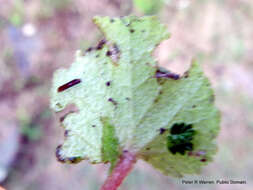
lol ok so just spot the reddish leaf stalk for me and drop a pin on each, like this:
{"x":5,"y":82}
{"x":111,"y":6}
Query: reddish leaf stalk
{"x":121,"y":170}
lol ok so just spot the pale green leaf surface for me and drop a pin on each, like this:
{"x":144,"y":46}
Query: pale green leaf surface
{"x":135,"y":103}
{"x":188,"y":100}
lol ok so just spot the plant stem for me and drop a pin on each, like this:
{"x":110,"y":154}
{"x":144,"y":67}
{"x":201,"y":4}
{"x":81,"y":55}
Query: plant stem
{"x":122,"y":168}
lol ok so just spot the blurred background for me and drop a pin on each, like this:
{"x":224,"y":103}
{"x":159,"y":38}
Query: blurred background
{"x":39,"y":36}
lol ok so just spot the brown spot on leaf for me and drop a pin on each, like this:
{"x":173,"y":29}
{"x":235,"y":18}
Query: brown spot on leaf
{"x":162,"y":130}
{"x":108,"y":83}
{"x":101,"y":44}
{"x":112,"y":101}
{"x":108,"y":53}
{"x":89,"y":49}
{"x":203,"y":160}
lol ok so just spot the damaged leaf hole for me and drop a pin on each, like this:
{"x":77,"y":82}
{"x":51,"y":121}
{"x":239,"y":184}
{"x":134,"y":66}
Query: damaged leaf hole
{"x":180,"y":138}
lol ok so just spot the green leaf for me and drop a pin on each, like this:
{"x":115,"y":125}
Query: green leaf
{"x":184,"y":102}
{"x":110,"y":152}
{"x":148,"y":6}
{"x":126,"y":102}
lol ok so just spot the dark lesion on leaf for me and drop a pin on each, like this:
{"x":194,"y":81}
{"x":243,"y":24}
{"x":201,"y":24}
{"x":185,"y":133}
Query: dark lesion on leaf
{"x":70,"y":160}
{"x":180,"y":138}
{"x":112,"y":101}
{"x":186,"y":74}
{"x":162,"y":130}
{"x":108,"y":53}
{"x":203,"y":160}
{"x":58,"y":154}
{"x":89,"y":49}
{"x":66,"y":133}
{"x":163,"y":73}
{"x":108,"y":83}
{"x":68,"y":85}
{"x":101,"y":44}
{"x":114,"y":52}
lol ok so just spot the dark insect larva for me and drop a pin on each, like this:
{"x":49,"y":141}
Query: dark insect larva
{"x":69,"y":84}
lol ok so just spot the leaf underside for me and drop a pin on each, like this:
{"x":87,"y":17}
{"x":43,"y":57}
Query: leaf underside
{"x":142,"y":103}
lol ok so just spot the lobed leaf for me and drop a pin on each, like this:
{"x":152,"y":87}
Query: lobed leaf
{"x":126,"y":102}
